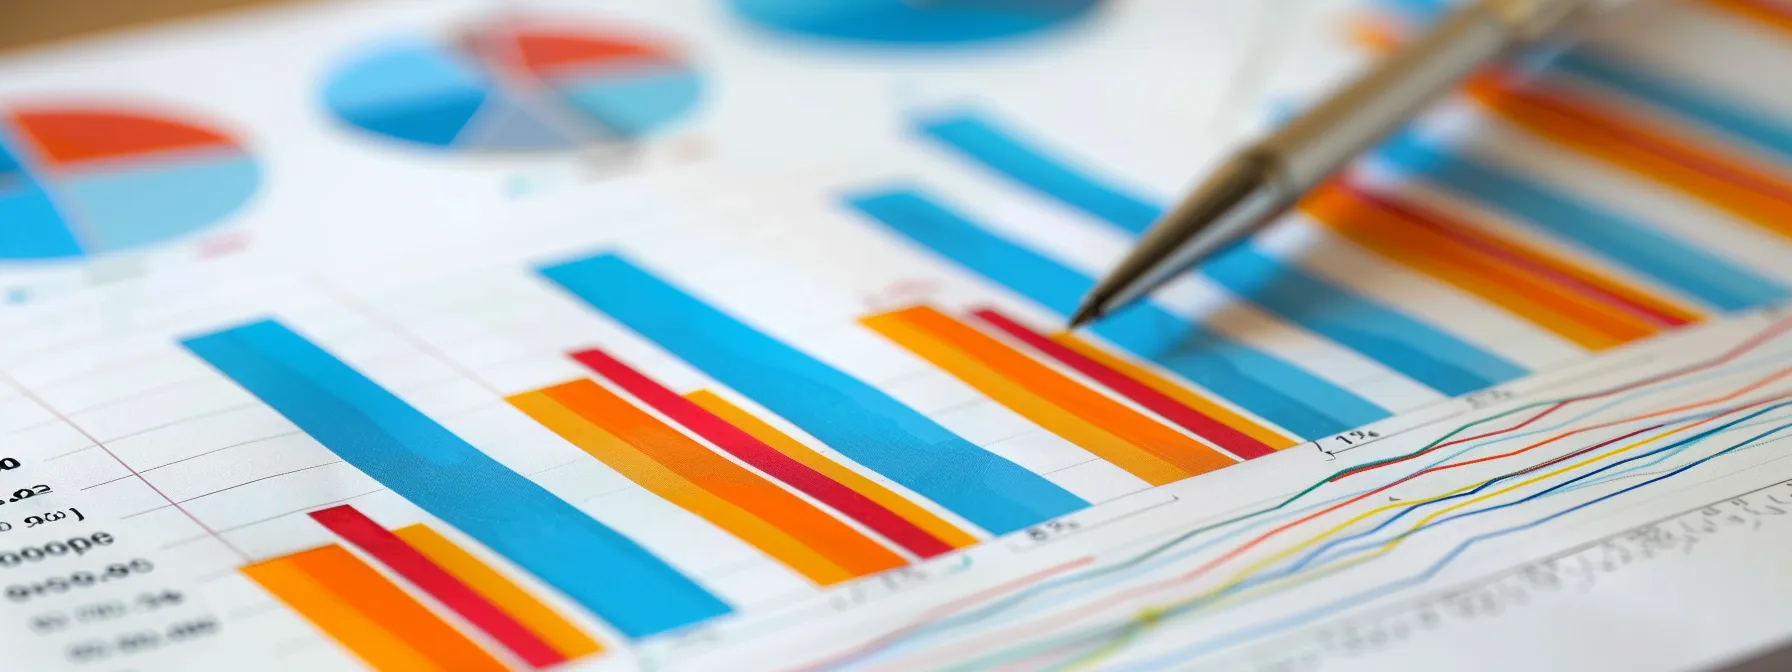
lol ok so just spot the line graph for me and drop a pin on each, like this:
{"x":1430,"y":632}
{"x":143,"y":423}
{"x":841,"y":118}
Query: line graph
{"x":1420,"y":579}
{"x":1157,"y":615}
{"x":830,"y":425}
{"x":1214,"y":564}
{"x":1648,"y":438}
{"x":1035,"y":594}
{"x":1250,"y":576}
{"x":1517,"y":586}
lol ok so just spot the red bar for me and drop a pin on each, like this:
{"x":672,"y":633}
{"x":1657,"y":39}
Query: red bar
{"x":1231,"y":440}
{"x":751,"y":450}
{"x":1519,"y":258}
{"x":426,"y":575}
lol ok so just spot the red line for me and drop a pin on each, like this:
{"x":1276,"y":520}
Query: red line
{"x":1775,"y":329}
{"x":1746,"y":345}
{"x":763,"y":457}
{"x":1147,"y":589}
{"x":1782,"y":373}
{"x":1377,"y":465}
{"x":426,"y":575}
{"x":1231,"y":440}
{"x":1503,"y":251}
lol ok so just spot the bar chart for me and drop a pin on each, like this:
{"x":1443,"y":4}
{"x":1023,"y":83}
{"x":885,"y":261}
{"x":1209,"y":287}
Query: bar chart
{"x":1691,"y":139}
{"x":1268,"y":387}
{"x":419,"y":459}
{"x":854,"y":418}
{"x":1153,"y":393}
{"x":894,"y":489}
{"x":370,"y":615}
{"x":1567,"y":265}
{"x":750,"y":448}
{"x":668,"y":430}
{"x":687,"y":473}
{"x":1128,"y":439}
{"x":1408,"y":345}
{"x":1645,"y":251}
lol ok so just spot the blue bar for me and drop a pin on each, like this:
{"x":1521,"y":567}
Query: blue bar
{"x":1415,"y":349}
{"x":425,"y":463}
{"x":1597,"y":231}
{"x":1709,"y":108}
{"x":854,"y":418}
{"x":1714,"y":111}
{"x":1018,"y":160}
{"x":1404,"y":344}
{"x":1268,"y":387}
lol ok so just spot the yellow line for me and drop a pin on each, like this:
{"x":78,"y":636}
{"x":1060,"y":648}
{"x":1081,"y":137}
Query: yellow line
{"x":1151,"y":615}
{"x":1246,"y":573}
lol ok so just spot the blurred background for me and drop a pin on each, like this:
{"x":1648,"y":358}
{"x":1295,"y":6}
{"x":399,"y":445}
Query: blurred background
{"x":29,"y":23}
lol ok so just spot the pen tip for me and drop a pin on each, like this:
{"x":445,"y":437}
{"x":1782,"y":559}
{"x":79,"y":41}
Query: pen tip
{"x":1088,"y":312}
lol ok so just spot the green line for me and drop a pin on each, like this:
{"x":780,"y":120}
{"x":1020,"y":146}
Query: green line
{"x":1179,"y":539}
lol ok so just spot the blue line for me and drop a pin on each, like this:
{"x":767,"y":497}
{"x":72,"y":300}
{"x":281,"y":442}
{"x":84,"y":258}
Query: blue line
{"x":1034,"y":596}
{"x":1315,"y":554}
{"x":1422,"y":577}
{"x":404,"y":450}
{"x":1268,"y":387}
{"x":1407,"y":345}
{"x":1632,"y":470}
{"x":1312,"y":556}
{"x":856,"y":419}
{"x":1593,"y":229}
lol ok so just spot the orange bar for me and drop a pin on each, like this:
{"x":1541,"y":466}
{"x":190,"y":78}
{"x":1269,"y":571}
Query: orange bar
{"x":1125,"y":438}
{"x":367,"y":614}
{"x":1727,"y":182}
{"x":1256,"y":430}
{"x":1763,"y":12}
{"x":564,"y":637}
{"x":690,"y":475}
{"x":794,"y":449}
{"x":1403,"y":239}
{"x":1622,"y":299}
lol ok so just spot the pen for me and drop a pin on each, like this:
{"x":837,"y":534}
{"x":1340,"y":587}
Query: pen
{"x":1267,"y":178}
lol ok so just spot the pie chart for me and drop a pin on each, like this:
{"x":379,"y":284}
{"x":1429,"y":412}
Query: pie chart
{"x":915,"y":22}
{"x":512,"y":86}
{"x":78,"y":181}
